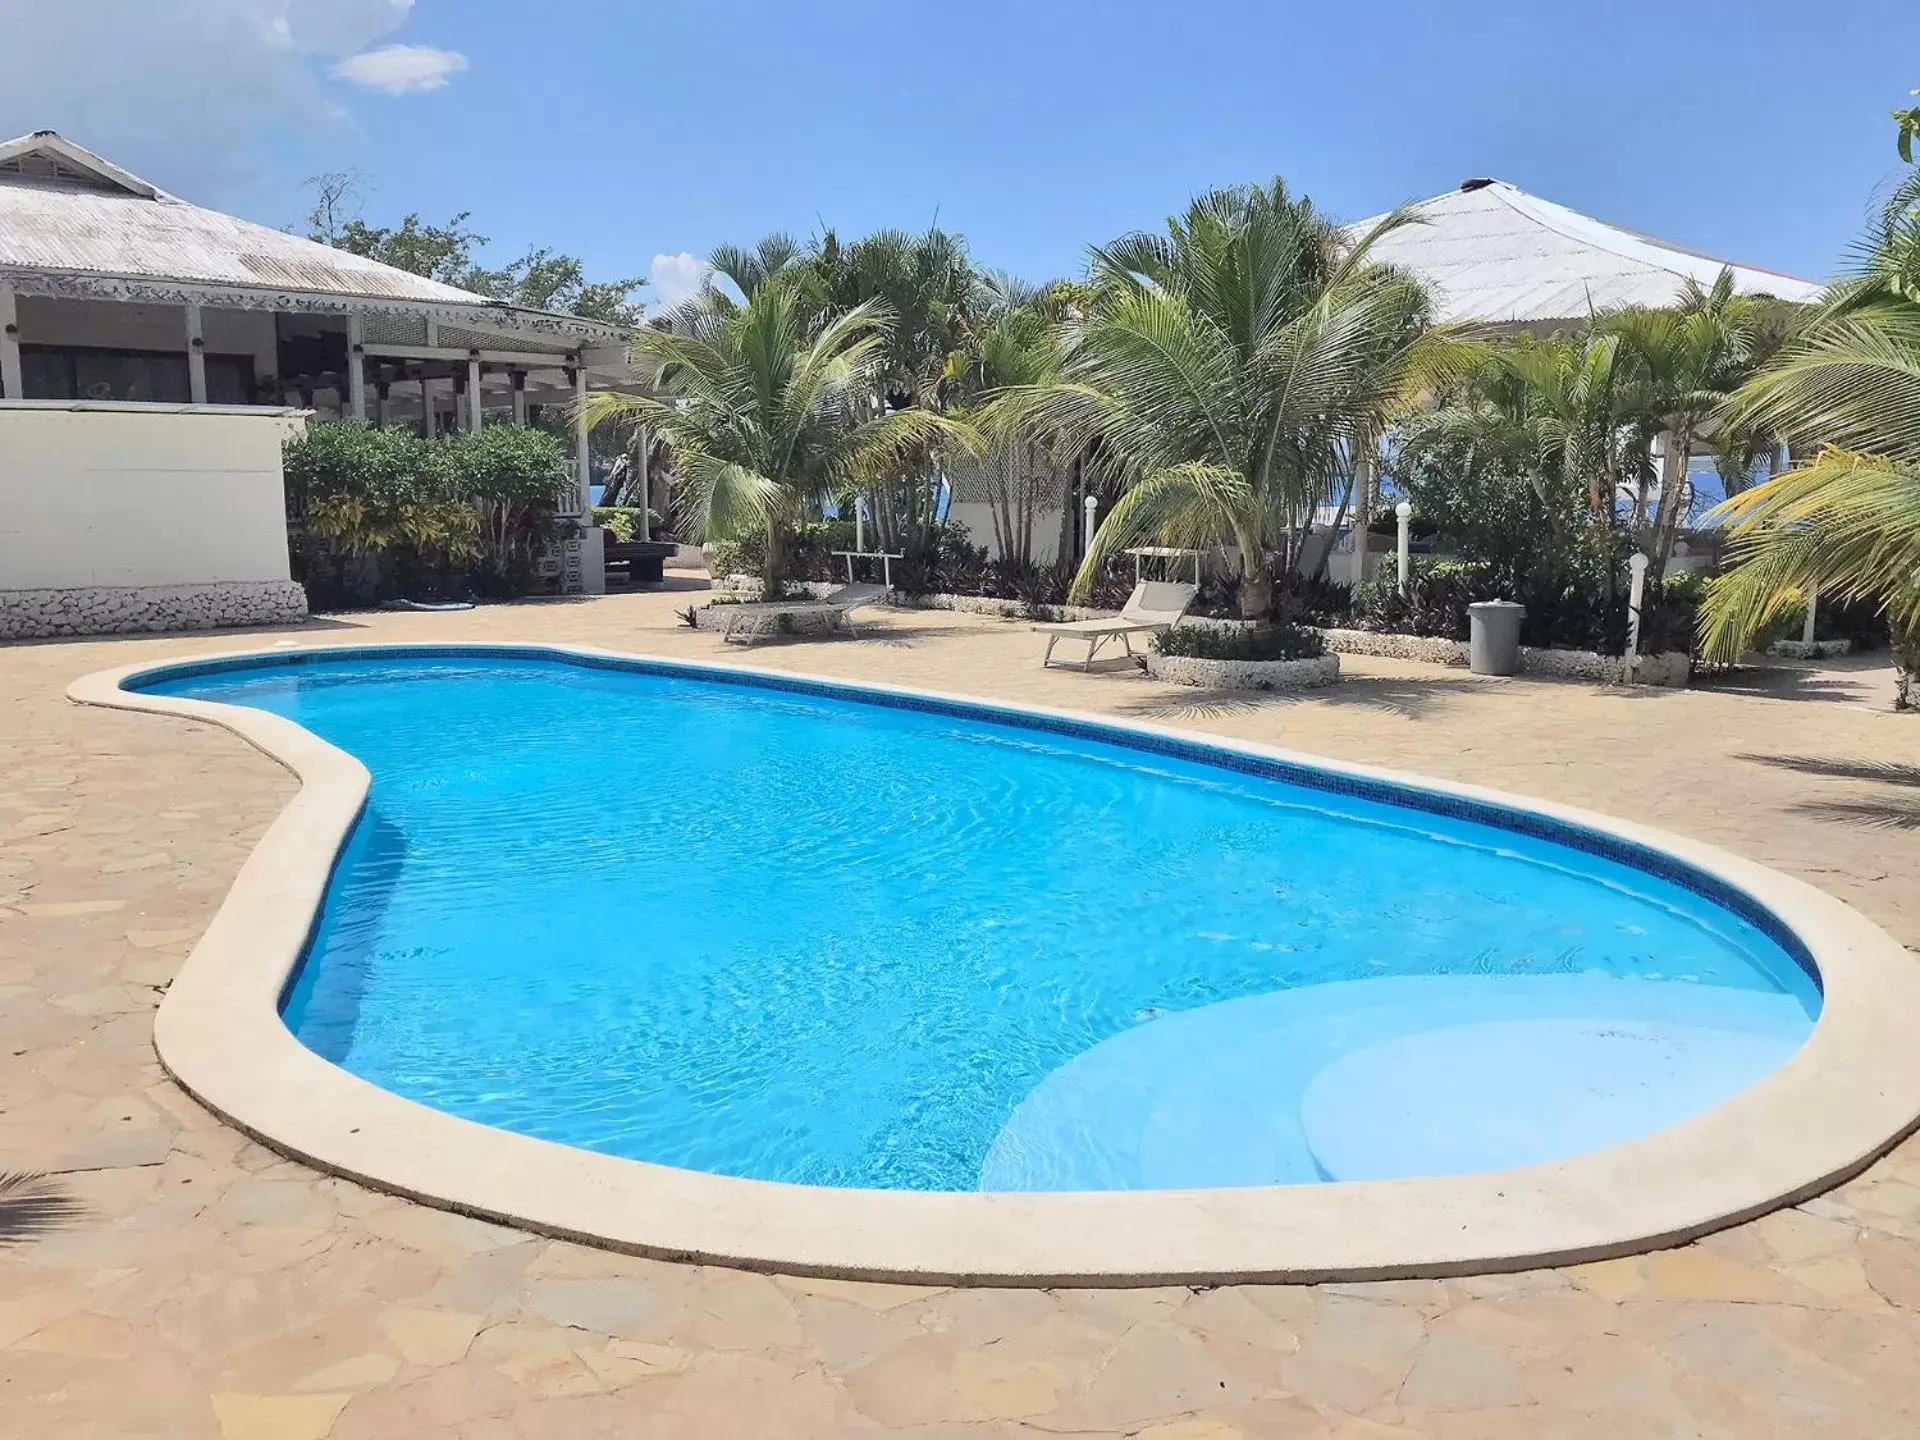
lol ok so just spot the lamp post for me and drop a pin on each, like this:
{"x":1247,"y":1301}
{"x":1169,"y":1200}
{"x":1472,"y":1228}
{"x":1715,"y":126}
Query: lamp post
{"x":1092,"y":507}
{"x":1637,"y":590}
{"x":1404,"y":512}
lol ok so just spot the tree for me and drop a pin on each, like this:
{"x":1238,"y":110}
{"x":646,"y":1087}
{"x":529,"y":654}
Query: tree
{"x":1225,"y":373}
{"x":932,"y":295}
{"x":767,"y":407}
{"x":1847,"y":523}
{"x":541,"y":279}
{"x":1688,"y":358}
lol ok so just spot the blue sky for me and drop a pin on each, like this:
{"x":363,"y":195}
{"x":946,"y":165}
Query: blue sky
{"x":626,"y":131}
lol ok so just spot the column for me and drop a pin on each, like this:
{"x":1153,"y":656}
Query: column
{"x":474,"y":402}
{"x":519,"y":378}
{"x":196,"y":358}
{"x":384,"y":408}
{"x":11,"y":385}
{"x":583,"y":466}
{"x":643,"y":445}
{"x":1362,"y":510}
{"x":426,"y":405}
{"x":583,"y":565}
{"x":1403,"y":512}
{"x":356,"y":369}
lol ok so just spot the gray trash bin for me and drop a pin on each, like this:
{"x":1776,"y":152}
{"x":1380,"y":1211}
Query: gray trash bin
{"x":1495,"y":646}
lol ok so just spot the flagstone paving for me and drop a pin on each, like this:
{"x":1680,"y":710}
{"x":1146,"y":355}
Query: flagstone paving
{"x":208,"y":1287}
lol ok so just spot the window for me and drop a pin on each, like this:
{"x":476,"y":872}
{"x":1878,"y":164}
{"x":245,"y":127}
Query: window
{"x":75,"y":372}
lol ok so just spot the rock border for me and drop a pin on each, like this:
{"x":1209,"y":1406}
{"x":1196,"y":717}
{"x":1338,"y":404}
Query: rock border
{"x":1669,"y":670}
{"x":771,"y":625}
{"x":1810,"y":649}
{"x":1244,"y":674}
{"x":1849,"y":1094}
{"x":149,"y":609}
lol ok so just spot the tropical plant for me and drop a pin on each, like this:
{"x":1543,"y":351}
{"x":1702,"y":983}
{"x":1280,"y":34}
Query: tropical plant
{"x":768,"y":410}
{"x":516,"y":478}
{"x":1687,"y":358}
{"x":369,"y":490}
{"x":1224,"y":373}
{"x":1268,"y":642}
{"x":1847,"y":523}
{"x":32,"y":1203}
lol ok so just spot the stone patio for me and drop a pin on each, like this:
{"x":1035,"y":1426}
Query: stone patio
{"x":206,"y":1287}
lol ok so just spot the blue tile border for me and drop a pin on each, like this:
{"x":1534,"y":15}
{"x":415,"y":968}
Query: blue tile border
{"x":1199,"y":751}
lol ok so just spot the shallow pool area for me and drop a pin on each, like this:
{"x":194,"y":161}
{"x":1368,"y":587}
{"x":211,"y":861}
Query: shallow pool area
{"x":786,"y":933}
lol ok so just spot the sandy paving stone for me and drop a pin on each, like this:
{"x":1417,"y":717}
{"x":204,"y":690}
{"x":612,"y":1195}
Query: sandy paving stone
{"x":431,"y":1337}
{"x":278,"y":1417}
{"x":227,"y":1271}
{"x":355,"y":1374}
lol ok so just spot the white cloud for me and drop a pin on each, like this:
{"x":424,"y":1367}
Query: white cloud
{"x":402,"y":69}
{"x":184,"y":92}
{"x":676,"y":277}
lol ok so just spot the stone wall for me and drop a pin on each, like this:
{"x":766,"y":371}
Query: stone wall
{"x":1666,"y":671}
{"x":1006,"y":609}
{"x":1244,"y":674}
{"x":124,"y":610}
{"x":1809,"y":649}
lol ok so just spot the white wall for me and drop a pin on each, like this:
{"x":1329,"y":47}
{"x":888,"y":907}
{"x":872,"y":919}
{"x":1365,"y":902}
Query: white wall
{"x":102,"y":494}
{"x":977,"y":517}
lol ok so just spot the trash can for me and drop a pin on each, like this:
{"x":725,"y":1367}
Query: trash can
{"x":1495,"y":645}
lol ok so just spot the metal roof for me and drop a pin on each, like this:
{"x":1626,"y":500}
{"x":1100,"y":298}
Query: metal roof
{"x":67,"y":211}
{"x":1494,"y":254}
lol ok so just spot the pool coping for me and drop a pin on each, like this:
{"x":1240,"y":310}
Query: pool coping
{"x":1847,"y":1096}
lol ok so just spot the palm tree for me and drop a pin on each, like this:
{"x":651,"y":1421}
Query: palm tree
{"x":1847,"y":523}
{"x":767,"y":409}
{"x":1225,"y":373}
{"x":1689,"y":357}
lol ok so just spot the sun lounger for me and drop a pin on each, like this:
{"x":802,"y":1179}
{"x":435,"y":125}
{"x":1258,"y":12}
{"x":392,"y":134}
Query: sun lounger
{"x":1152,"y":608}
{"x":763,"y":618}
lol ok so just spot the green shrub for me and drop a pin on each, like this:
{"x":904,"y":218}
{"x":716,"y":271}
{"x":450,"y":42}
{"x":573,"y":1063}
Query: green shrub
{"x":1438,"y":594}
{"x":809,"y":551}
{"x":385,"y":512}
{"x":1277,"y":642}
{"x":623,"y":522}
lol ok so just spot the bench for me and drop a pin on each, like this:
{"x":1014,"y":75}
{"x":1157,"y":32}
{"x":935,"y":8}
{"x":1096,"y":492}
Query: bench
{"x":641,"y":560}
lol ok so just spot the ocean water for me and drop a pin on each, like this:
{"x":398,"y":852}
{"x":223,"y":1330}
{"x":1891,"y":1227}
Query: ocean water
{"x":805,"y":938}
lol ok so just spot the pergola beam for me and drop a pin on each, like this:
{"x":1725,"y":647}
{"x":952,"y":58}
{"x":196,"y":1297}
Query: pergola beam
{"x":532,"y":359}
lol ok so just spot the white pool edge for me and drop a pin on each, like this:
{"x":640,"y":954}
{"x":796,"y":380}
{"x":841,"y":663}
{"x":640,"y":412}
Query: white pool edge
{"x":1849,"y":1094}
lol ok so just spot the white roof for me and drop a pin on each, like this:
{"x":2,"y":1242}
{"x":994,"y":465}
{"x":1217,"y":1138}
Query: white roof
{"x":65,"y":211}
{"x":1494,"y":254}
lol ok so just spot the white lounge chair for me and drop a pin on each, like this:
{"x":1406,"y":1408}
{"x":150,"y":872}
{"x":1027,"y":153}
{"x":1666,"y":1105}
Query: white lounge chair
{"x":1153,"y":607}
{"x":762,"y":618}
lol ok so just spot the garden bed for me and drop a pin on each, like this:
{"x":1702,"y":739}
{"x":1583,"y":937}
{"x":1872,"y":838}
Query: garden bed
{"x":1244,"y":674}
{"x":1669,"y":670}
{"x":1810,"y":649}
{"x":990,"y":605}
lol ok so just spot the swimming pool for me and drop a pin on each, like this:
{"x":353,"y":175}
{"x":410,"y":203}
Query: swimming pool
{"x":780,"y":931}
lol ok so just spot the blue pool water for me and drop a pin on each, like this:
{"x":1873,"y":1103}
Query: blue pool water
{"x":798,"y":936}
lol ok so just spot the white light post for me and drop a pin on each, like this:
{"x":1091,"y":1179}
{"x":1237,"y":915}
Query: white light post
{"x":1638,"y":565}
{"x":859,"y":523}
{"x":1404,"y":512}
{"x":1092,"y":507}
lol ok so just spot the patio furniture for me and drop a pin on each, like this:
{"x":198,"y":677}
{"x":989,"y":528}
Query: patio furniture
{"x":1154,"y":607}
{"x":640,"y":560}
{"x":763,"y":618}
{"x":885,"y":557}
